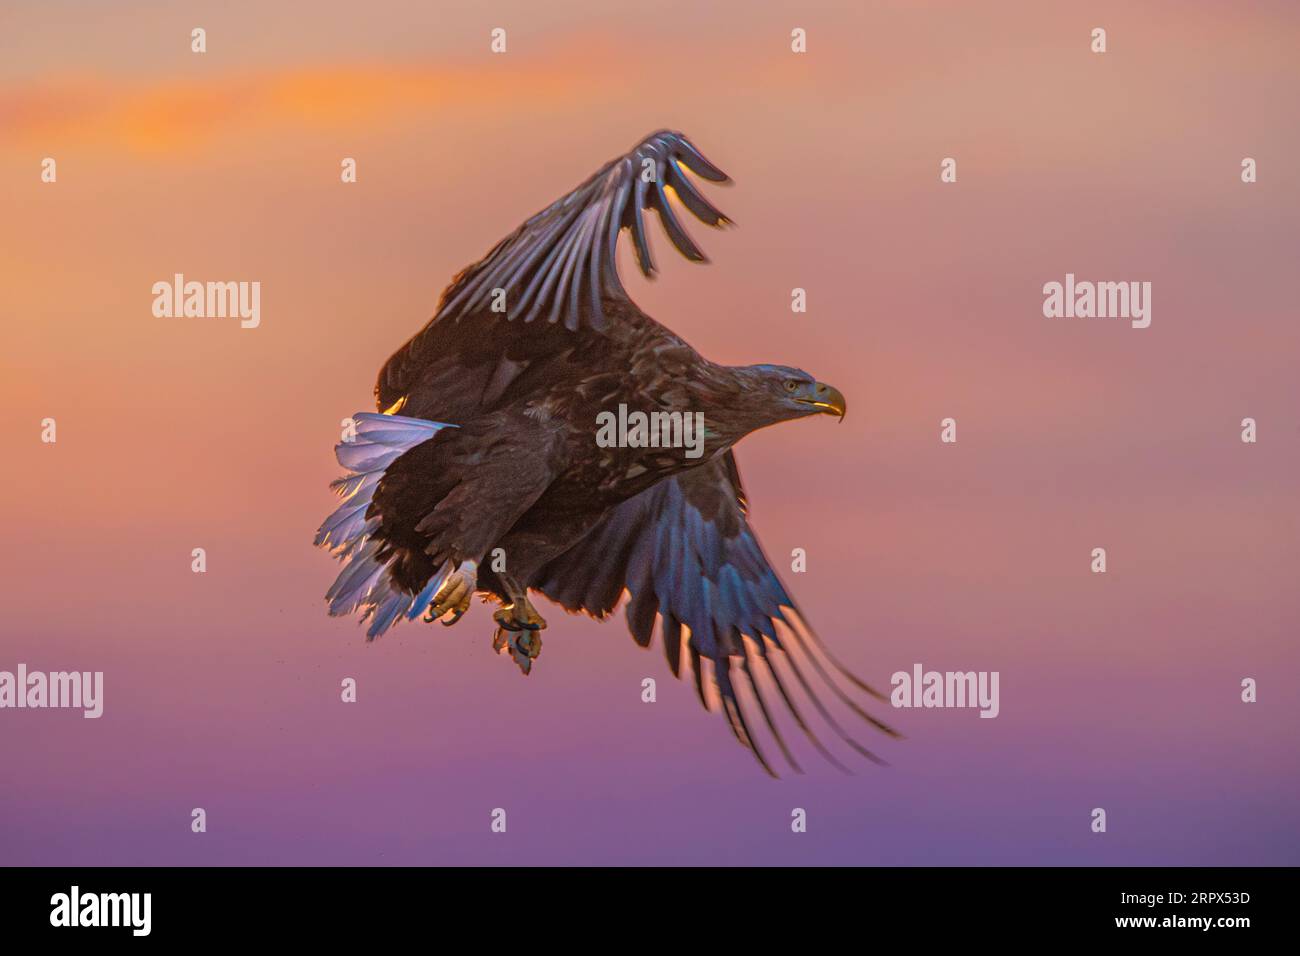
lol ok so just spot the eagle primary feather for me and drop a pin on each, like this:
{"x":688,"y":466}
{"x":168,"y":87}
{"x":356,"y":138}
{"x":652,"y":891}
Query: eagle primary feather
{"x":495,"y":453}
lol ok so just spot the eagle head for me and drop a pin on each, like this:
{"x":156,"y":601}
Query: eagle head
{"x":780,"y":393}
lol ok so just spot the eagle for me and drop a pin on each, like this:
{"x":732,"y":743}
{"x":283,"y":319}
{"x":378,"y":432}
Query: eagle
{"x":487,"y":470}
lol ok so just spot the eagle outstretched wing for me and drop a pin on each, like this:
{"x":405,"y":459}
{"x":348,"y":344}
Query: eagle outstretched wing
{"x":686,"y":554}
{"x":563,"y":258}
{"x":559,"y":267}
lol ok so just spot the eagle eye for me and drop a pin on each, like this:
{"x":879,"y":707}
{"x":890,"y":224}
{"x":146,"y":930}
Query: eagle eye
{"x":791,"y":385}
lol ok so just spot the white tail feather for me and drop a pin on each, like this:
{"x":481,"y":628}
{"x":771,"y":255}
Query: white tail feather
{"x":363,"y":582}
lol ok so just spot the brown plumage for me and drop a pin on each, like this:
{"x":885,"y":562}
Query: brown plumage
{"x":490,"y":472}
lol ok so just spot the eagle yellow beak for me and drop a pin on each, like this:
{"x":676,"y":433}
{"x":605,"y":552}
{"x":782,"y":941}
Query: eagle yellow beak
{"x":827,"y":399}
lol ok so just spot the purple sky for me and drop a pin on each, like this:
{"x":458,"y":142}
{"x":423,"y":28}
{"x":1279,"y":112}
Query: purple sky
{"x":1119,"y":691}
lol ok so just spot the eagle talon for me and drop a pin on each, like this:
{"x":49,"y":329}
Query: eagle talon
{"x":454,"y":595}
{"x":524,"y":646}
{"x":504,"y":621}
{"x":519,"y":615}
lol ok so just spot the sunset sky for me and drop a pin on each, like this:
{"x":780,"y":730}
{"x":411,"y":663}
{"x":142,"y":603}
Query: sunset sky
{"x":1118,"y":690}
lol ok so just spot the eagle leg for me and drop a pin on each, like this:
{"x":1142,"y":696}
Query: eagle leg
{"x":519,"y":614}
{"x":518,"y":626}
{"x":454,"y":595}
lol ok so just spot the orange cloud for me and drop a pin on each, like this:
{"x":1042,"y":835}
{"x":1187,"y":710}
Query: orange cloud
{"x":171,"y":116}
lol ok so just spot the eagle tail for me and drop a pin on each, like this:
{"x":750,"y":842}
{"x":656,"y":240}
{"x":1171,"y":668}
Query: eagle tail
{"x":364,"y":582}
